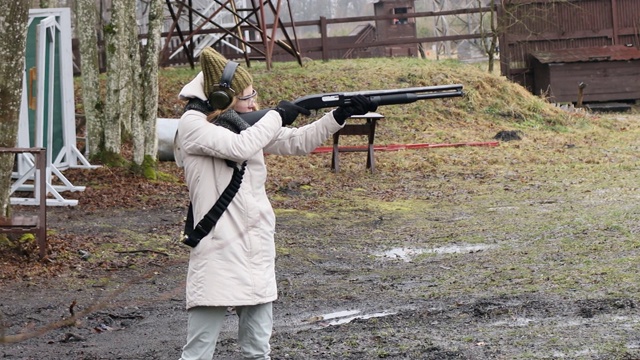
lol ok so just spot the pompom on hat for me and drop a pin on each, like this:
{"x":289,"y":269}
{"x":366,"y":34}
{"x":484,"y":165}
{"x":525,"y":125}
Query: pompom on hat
{"x":212,"y":64}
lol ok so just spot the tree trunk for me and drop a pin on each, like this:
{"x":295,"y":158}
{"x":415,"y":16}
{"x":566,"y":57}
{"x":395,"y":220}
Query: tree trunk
{"x":137,"y":87}
{"x":489,"y":40}
{"x":52,"y":4}
{"x":149,"y":100}
{"x":13,"y":37}
{"x":131,"y":91}
{"x":86,"y":20}
{"x":116,"y":104}
{"x":494,"y":38}
{"x":130,"y":67}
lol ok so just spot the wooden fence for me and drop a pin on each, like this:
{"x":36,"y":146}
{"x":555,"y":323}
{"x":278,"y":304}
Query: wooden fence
{"x":326,"y":47}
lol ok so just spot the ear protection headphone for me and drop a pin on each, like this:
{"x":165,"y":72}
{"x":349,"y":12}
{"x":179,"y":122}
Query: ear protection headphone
{"x":222,"y":97}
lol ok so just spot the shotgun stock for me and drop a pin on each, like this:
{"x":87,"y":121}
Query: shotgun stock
{"x":381,"y":97}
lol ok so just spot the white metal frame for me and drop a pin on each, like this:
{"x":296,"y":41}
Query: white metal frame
{"x":56,"y":20}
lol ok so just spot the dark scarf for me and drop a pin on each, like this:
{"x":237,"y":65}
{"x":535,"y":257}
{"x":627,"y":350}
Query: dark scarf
{"x":229,"y":119}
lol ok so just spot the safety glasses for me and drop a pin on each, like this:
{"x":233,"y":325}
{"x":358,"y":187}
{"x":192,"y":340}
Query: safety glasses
{"x":253,"y":94}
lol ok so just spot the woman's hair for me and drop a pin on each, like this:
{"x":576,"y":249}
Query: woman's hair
{"x":215,"y":113}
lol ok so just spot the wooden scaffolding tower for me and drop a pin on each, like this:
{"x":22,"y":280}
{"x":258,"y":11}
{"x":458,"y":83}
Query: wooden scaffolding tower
{"x":466,"y":23}
{"x":252,"y":28}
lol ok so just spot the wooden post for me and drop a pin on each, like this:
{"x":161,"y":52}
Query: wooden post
{"x":325,"y":38}
{"x":581,"y":87}
{"x":36,"y":225}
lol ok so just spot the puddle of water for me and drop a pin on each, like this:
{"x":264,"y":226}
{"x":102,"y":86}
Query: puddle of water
{"x":365,"y":316}
{"x":340,"y":314}
{"x":343,"y":317}
{"x":407,"y":254}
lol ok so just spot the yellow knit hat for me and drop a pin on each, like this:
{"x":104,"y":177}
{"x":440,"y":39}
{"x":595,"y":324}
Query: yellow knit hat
{"x":212,"y":64}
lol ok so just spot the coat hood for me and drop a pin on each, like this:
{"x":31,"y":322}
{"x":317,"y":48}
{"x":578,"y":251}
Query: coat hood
{"x":194,"y":89}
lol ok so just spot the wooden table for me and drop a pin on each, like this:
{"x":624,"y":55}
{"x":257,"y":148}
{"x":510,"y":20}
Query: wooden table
{"x":367,"y":128}
{"x":36,"y":224}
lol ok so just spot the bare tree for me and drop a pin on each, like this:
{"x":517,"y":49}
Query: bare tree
{"x":145,"y":138}
{"x":489,"y":39}
{"x":137,"y":87}
{"x":13,"y":37}
{"x":86,"y":32}
{"x":130,"y":105}
{"x":118,"y":105}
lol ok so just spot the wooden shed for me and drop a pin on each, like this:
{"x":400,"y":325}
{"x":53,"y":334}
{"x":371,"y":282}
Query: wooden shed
{"x":556,"y":44}
{"x":610,"y":73}
{"x":399,"y":27}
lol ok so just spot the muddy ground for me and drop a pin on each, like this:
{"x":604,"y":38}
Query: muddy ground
{"x":488,"y":256}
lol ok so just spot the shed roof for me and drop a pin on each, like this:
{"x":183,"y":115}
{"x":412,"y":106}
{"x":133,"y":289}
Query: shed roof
{"x":586,"y":54}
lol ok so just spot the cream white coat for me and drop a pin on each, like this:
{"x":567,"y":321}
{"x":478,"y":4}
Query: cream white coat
{"x":235,"y":264}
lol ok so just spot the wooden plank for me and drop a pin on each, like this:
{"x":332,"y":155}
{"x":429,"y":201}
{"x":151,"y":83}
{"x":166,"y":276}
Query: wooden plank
{"x":19,"y":221}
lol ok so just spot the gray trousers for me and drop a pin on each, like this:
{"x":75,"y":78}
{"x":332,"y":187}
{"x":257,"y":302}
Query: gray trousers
{"x":255,"y":324}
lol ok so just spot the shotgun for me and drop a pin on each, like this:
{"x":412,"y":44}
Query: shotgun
{"x":380,"y":97}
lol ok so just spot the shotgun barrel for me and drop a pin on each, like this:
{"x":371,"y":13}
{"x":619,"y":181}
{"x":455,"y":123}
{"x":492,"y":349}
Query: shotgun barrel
{"x":380,"y":97}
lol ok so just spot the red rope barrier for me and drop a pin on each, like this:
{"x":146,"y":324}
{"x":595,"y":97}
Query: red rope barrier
{"x":396,"y":147}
